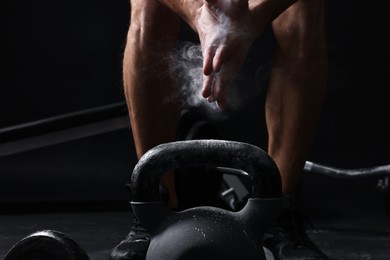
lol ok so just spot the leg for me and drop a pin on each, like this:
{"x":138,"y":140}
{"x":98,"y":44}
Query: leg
{"x":294,"y":101}
{"x":297,"y":87}
{"x":151,"y":93}
{"x":151,"y":97}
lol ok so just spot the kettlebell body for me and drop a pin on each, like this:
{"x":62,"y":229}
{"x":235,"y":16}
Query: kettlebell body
{"x":206,"y":232}
{"x":203,"y":232}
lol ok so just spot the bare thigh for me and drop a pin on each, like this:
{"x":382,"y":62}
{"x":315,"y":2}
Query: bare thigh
{"x":300,"y":32}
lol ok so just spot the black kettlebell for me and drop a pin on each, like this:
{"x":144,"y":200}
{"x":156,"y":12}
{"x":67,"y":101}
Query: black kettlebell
{"x":206,"y":232}
{"x":46,"y":245}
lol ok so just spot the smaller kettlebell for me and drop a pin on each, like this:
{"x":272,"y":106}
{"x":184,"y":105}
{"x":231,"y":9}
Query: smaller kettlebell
{"x":206,"y":232}
{"x":44,"y":245}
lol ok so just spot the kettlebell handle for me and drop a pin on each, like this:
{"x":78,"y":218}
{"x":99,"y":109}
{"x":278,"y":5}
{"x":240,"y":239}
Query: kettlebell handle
{"x":262,"y":170}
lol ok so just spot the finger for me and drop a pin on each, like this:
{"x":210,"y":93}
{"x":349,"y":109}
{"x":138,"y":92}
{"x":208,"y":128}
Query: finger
{"x":208,"y":57}
{"x":219,"y":57}
{"x":222,"y":86}
{"x":214,"y":81}
{"x":217,"y":87}
{"x":222,"y":104}
{"x":219,"y":94}
{"x":207,"y":89}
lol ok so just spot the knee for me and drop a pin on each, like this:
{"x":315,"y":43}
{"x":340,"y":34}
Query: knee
{"x":300,"y":31}
{"x":152,"y":25}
